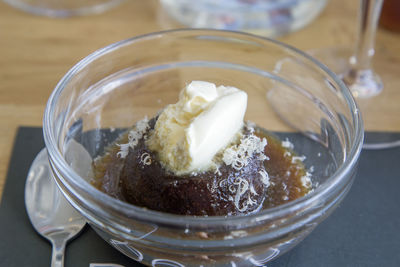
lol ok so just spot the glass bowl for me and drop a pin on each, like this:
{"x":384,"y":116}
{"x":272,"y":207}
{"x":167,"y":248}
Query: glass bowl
{"x":63,"y":8}
{"x":264,"y":17}
{"x":289,"y":94}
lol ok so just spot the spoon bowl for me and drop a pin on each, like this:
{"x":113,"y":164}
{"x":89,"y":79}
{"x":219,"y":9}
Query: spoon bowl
{"x":49,"y":212}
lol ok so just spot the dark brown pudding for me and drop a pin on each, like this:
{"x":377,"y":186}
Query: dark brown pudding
{"x":268,"y":179}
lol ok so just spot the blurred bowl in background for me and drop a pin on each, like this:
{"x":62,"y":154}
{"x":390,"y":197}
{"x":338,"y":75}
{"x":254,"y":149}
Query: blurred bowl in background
{"x":63,"y":8}
{"x":263,"y":17}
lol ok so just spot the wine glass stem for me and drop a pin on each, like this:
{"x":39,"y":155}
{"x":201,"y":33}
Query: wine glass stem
{"x":367,"y":24}
{"x":360,"y":78}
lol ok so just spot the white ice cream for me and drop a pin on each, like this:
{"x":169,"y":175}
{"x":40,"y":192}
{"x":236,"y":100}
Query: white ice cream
{"x":206,"y":118}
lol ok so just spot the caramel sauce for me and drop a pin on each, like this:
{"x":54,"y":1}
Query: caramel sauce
{"x":285,"y":173}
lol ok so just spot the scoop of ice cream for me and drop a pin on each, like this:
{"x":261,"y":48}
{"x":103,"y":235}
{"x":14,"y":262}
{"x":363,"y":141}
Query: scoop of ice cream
{"x":206,"y":118}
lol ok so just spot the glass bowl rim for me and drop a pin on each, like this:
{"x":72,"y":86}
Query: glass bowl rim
{"x":134,"y":212}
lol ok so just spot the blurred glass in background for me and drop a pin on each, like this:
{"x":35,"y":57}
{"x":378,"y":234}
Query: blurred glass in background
{"x":63,"y":8}
{"x":263,"y":17}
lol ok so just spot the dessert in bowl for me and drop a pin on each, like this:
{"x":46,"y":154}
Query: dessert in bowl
{"x":292,"y":102}
{"x":198,"y":157}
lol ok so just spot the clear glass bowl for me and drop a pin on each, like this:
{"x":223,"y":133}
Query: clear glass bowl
{"x":63,"y":8}
{"x":263,"y":17}
{"x":289,"y":94}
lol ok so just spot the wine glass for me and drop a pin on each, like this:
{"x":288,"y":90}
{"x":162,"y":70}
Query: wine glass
{"x":374,"y":97}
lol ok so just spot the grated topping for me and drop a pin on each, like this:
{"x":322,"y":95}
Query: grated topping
{"x":145,"y":158}
{"x":222,"y":183}
{"x":217,"y":171}
{"x":287,"y":144}
{"x":238,"y":155}
{"x":252,"y":190}
{"x":287,"y":154}
{"x":312,"y":169}
{"x":264,"y":178}
{"x":242,"y":187}
{"x":306,"y":180}
{"x":123,"y":150}
{"x":250,"y":201}
{"x":238,"y":188}
{"x":142,"y":125}
{"x":133,"y":137}
{"x":251,"y":126}
{"x":296,"y":158}
{"x":262,"y":157}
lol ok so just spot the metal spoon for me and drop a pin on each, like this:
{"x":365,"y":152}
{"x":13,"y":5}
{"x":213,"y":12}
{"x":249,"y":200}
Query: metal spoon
{"x":49,"y":212}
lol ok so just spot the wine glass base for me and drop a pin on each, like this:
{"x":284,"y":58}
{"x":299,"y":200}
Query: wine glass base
{"x":377,"y":103}
{"x":377,"y":140}
{"x":363,"y":84}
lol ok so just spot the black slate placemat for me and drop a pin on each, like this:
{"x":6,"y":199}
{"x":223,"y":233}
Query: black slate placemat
{"x":363,"y":231}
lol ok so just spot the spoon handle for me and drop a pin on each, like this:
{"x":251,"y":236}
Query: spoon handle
{"x":57,"y":258}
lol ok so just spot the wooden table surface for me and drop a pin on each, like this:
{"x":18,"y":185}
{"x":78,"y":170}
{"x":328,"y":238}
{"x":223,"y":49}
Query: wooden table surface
{"x":35,"y":52}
